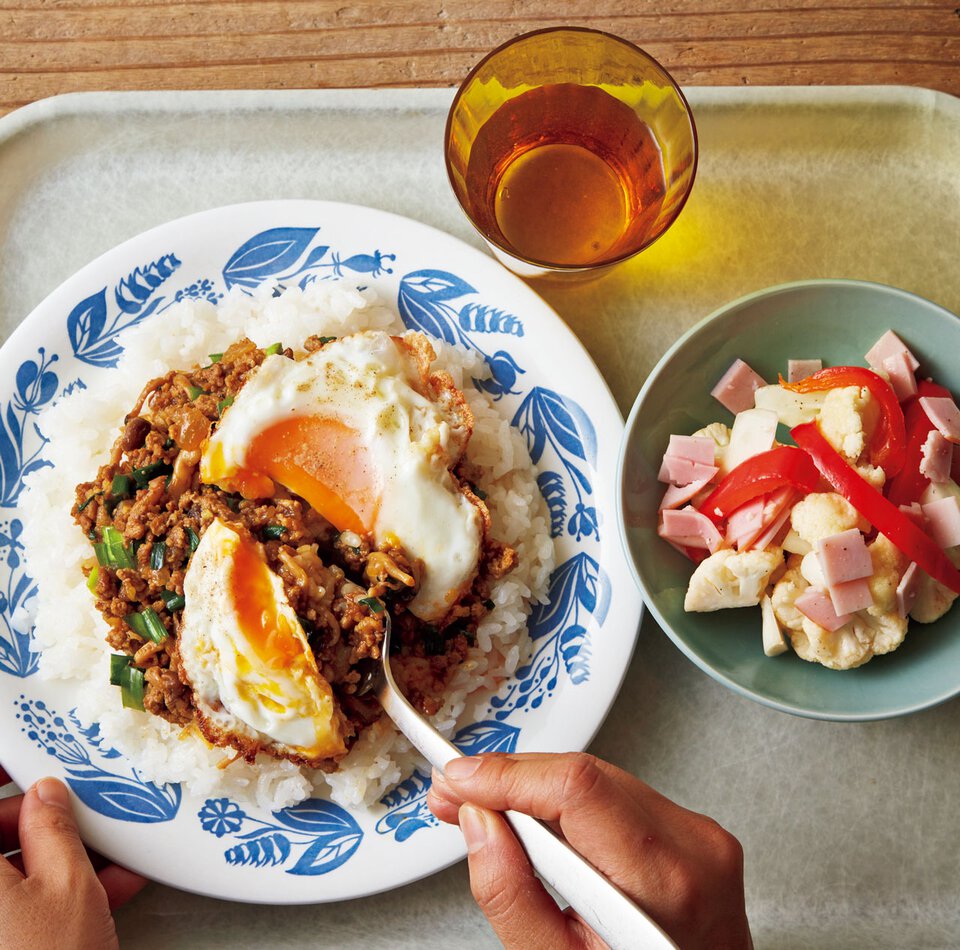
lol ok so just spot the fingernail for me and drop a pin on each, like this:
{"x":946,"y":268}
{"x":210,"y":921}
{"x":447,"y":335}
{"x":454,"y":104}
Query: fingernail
{"x":438,"y":783}
{"x":460,"y":770}
{"x":473,"y":824}
{"x":53,"y":792}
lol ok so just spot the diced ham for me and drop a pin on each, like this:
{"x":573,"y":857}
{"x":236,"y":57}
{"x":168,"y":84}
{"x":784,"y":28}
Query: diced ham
{"x":697,"y":448}
{"x":677,"y":495}
{"x":850,"y":596}
{"x":844,"y":557}
{"x":736,"y":387}
{"x":769,"y":536}
{"x":901,"y":375}
{"x":678,"y":471}
{"x":943,"y":516}
{"x":801,"y":369}
{"x":942,"y":411}
{"x":907,"y":589}
{"x":915,"y":513}
{"x":816,"y":604}
{"x":689,"y":528}
{"x":936,"y":459}
{"x":744,"y":524}
{"x":890,"y":345}
{"x":753,"y":432}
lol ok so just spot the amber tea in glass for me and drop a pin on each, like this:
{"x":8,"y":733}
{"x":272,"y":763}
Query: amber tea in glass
{"x":569,"y":149}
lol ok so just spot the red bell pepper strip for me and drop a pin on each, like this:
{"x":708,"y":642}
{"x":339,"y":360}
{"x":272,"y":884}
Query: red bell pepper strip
{"x":909,"y":484}
{"x":886,"y":517}
{"x":759,"y":475}
{"x":889,"y":439}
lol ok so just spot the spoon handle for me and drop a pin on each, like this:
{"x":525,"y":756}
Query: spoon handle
{"x":609,"y":911}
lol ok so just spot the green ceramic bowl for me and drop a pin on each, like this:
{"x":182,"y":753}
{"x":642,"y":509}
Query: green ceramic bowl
{"x":836,"y":320}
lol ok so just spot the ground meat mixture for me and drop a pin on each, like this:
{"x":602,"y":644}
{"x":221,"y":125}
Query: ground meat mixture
{"x":149,"y":492}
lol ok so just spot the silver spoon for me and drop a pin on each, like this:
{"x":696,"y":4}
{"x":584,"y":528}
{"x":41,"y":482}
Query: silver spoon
{"x":609,"y":911}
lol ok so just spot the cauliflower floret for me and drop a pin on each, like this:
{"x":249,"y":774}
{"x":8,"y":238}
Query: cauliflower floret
{"x":847,"y":419}
{"x":720,"y":434}
{"x":822,"y":514}
{"x":731,"y":579}
{"x":933,"y":599}
{"x":889,"y":565}
{"x":867,"y":634}
{"x":871,"y":474}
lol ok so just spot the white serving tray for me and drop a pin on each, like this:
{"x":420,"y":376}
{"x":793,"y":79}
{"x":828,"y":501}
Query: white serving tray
{"x":851,"y":831}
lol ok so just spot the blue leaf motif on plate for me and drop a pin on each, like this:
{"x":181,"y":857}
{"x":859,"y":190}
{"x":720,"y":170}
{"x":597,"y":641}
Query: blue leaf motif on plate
{"x":407,"y":810}
{"x":36,"y":385}
{"x":487,"y":736}
{"x":125,"y":797}
{"x":424,"y":302}
{"x":548,"y":420}
{"x":91,"y":329}
{"x":17,"y":656}
{"x":579,"y":589}
{"x":267,"y":255}
{"x":327,"y":833}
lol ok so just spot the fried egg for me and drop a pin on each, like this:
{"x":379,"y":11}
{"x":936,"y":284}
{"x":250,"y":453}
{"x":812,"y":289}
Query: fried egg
{"x":245,"y":655}
{"x":367,"y":436}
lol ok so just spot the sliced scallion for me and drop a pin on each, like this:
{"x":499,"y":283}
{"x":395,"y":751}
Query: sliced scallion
{"x":223,"y":404}
{"x":273,"y":349}
{"x":84,"y":504}
{"x":373,"y":603}
{"x":215,"y":357}
{"x":131,"y":688}
{"x":110,"y":551}
{"x":172,"y":600}
{"x":273,"y":531}
{"x":194,"y":539}
{"x":157,"y":553}
{"x":144,"y":475}
{"x":147,"y":625}
{"x":194,"y":391}
{"x":327,"y":339}
{"x":92,"y":578}
{"x":121,"y":486}
{"x":118,"y":663}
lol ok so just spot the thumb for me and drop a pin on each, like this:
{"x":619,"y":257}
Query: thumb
{"x":49,"y":839}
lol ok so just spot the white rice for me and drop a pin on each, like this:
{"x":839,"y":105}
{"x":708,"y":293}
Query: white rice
{"x":70,"y":631}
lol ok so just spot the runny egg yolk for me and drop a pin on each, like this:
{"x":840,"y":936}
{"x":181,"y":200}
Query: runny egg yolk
{"x":269,"y":633}
{"x":320,"y":459}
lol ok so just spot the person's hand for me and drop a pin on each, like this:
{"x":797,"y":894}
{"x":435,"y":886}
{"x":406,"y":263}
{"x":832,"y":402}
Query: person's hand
{"x":682,"y":868}
{"x":50,"y":893}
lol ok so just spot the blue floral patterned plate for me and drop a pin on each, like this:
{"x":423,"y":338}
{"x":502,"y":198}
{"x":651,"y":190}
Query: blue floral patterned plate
{"x":541,"y":379}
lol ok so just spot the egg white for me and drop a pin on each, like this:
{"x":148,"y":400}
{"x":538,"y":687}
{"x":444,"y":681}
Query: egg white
{"x":372,"y":384}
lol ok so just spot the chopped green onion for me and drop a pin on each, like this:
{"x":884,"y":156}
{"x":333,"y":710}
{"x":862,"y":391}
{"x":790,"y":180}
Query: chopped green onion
{"x":111,"y":552}
{"x":194,"y":539}
{"x":327,"y":339}
{"x":92,"y":534}
{"x":273,"y":531}
{"x":131,"y":688}
{"x":273,"y":349}
{"x":147,"y":625}
{"x":96,"y":494}
{"x":224,"y":403}
{"x":373,"y":603}
{"x":92,"y":578}
{"x":172,"y":600}
{"x":143,"y":476}
{"x":194,"y":391}
{"x":168,"y":444}
{"x":120,"y":486}
{"x":215,"y":357}
{"x":157,"y":554}
{"x":118,"y":663}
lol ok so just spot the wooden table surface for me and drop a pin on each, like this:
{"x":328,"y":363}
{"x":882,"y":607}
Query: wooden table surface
{"x":56,"y":46}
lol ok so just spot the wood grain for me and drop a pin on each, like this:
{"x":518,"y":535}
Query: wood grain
{"x":55,"y":46}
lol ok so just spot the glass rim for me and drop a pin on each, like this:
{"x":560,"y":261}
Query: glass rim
{"x":549,"y":265}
